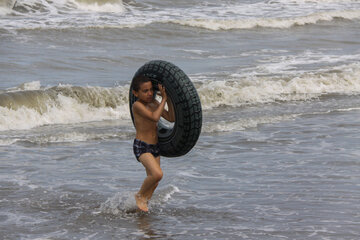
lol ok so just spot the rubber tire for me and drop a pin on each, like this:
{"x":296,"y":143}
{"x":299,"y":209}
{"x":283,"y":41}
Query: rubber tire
{"x":182,"y":137}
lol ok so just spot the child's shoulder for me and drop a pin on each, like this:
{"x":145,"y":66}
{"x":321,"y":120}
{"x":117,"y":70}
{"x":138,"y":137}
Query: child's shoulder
{"x":136,"y":105}
{"x":139,"y":106}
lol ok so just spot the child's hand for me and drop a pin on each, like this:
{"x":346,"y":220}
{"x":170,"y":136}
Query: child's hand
{"x":162,"y":91}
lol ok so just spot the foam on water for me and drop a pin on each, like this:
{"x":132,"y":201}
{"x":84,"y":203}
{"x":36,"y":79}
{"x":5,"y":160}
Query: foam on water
{"x":7,"y":141}
{"x":297,"y":64}
{"x":22,"y":108}
{"x":254,"y":90}
{"x":70,"y":137}
{"x":242,"y":124}
{"x":70,"y":111}
{"x":123,"y":203}
{"x":29,"y":109}
{"x":6,"y":6}
{"x":54,"y":7}
{"x":100,"y":6}
{"x":228,"y":24}
{"x":60,"y":14}
{"x":118,"y":204}
{"x":257,"y":183}
{"x":34,"y":85}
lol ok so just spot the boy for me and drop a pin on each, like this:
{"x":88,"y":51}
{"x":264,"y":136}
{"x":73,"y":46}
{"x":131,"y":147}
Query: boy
{"x":147,"y":112}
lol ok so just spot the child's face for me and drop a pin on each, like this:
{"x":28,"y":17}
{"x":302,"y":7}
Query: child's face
{"x":145,"y":93}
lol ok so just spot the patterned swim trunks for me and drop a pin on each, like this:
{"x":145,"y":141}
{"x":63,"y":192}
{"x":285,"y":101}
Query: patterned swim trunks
{"x":141,"y":147}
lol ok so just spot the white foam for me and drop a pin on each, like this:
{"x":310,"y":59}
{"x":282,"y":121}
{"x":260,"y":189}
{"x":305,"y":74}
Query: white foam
{"x":123,"y":203}
{"x":285,"y":22}
{"x":163,"y":195}
{"x":242,"y":124}
{"x":120,"y":203}
{"x":70,"y":137}
{"x":235,"y":91}
{"x":115,"y":6}
{"x":34,"y":85}
{"x":221,"y":16}
{"x":6,"y":6}
{"x":347,"y":109}
{"x":4,"y":10}
{"x":7,"y":141}
{"x":67,"y":111}
{"x":291,"y":64}
{"x":20,"y":219}
{"x":240,"y":91}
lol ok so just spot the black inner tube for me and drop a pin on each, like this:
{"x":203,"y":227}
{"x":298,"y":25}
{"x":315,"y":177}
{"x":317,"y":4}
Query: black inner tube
{"x":178,"y":138}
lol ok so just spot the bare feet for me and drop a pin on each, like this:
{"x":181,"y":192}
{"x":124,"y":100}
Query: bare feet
{"x":141,"y":202}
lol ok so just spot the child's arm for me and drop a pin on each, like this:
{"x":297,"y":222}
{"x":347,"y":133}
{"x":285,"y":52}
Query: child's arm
{"x":170,"y":114}
{"x":153,"y":116}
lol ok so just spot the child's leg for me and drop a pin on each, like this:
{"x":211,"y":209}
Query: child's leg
{"x":150,"y":193}
{"x":154,"y":175}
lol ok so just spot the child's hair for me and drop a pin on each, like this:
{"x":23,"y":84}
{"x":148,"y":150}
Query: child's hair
{"x":137,"y":81}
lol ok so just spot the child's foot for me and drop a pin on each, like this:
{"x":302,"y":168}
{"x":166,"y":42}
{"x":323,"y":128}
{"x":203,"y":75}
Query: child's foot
{"x":141,"y":202}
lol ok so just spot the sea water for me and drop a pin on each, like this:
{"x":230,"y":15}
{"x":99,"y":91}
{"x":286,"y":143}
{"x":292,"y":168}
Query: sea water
{"x":278,"y":156}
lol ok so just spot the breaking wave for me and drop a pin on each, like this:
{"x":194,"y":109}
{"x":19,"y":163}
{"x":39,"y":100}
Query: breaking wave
{"x":6,"y":6}
{"x":100,"y":5}
{"x":63,"y":14}
{"x":56,"y":7}
{"x":29,"y":105}
{"x":239,"y":91}
{"x":25,"y":109}
{"x":228,"y":24}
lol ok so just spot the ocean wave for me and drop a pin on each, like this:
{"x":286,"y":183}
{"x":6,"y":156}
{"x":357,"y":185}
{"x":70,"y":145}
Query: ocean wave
{"x":34,"y":85}
{"x":240,"y":91}
{"x":100,"y":5}
{"x":27,"y":109}
{"x":6,"y":6}
{"x":63,"y":14}
{"x":248,"y":23}
{"x":61,"y":6}
{"x":29,"y":105}
{"x":214,"y":24}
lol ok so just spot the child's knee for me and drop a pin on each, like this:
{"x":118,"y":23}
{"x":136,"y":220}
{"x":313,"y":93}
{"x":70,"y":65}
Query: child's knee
{"x":158,"y":175}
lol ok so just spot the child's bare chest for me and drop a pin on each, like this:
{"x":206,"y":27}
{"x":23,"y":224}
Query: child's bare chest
{"x":151,"y":106}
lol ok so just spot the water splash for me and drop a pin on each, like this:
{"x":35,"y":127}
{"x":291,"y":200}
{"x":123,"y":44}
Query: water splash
{"x":124,"y":203}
